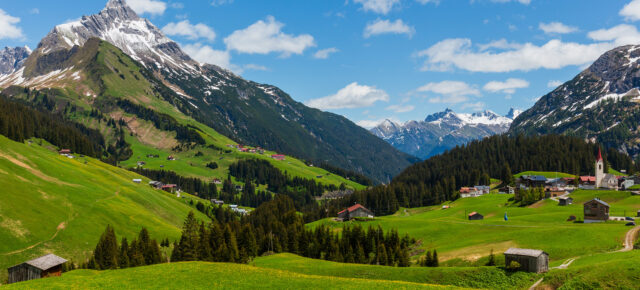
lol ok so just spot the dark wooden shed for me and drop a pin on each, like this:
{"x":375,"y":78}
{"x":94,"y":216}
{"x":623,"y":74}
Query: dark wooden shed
{"x":474,"y":216}
{"x":534,"y":261}
{"x":45,"y":266}
{"x":596,"y":210}
{"x":565,"y":201}
{"x":355,"y":211}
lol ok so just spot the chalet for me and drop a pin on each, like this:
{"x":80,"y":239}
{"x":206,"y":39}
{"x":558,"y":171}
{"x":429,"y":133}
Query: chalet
{"x":137,"y":180}
{"x":507,"y":190}
{"x":64,"y":152}
{"x":233,"y":206}
{"x":554,"y":192}
{"x":609,"y":181}
{"x":156,"y":184}
{"x":171,"y":158}
{"x":45,"y":266}
{"x":279,"y":157}
{"x":527,"y":181}
{"x":626,"y":183}
{"x":596,"y":210}
{"x":216,"y":202}
{"x":587,"y":182}
{"x":252,"y":151}
{"x":169,"y":188}
{"x":445,"y":207}
{"x":141,"y":163}
{"x":474,"y":216}
{"x":469,"y":192}
{"x":534,"y":261}
{"x":563,"y":201}
{"x":483,"y":189}
{"x":217,"y":181}
{"x":355,"y":211}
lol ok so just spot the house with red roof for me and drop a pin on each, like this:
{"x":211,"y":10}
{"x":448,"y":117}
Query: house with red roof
{"x":355,"y":211}
{"x":278,"y":157}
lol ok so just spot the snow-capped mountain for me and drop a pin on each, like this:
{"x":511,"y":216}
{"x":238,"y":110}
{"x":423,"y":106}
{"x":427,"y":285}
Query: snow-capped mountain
{"x":601,"y":103}
{"x":248,"y":112}
{"x":442,"y":131}
{"x":12,"y":58}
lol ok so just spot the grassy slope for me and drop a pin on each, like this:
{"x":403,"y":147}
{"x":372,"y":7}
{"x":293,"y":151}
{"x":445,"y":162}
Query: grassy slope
{"x":200,"y":275}
{"x":473,"y":277}
{"x":541,"y":226}
{"x":50,"y":203}
{"x":545,"y":174}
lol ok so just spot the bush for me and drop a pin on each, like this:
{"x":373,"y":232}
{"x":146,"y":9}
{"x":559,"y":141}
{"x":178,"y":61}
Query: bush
{"x":212,"y":165}
{"x":513,"y":266}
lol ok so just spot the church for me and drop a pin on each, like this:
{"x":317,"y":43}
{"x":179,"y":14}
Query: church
{"x":604,"y":180}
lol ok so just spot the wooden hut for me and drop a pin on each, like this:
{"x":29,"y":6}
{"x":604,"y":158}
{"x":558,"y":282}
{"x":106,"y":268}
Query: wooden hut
{"x":534,"y":261}
{"x":45,"y":266}
{"x":563,"y":201}
{"x":474,"y":216}
{"x":596,"y":210}
{"x":355,"y":211}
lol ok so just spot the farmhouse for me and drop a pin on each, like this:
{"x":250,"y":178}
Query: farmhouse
{"x":532,"y":181}
{"x":507,"y":190}
{"x":587,"y":182}
{"x":156,"y":184}
{"x":474,"y":216}
{"x":217,"y":181}
{"x":563,"y":201}
{"x":355,"y":211}
{"x":137,"y":180}
{"x":469,"y":192}
{"x":596,"y":210}
{"x":45,"y":266}
{"x":279,"y":157}
{"x":627,"y":183}
{"x":169,"y":187}
{"x":141,"y":163}
{"x":534,"y":261}
{"x":64,"y":152}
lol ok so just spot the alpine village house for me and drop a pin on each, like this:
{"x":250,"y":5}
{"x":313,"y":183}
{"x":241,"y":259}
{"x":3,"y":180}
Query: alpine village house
{"x":355,"y":211}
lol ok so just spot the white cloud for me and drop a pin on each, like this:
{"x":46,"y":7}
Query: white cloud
{"x":369,"y":124}
{"x":631,"y":11}
{"x":473,"y":106}
{"x":8,"y":26}
{"x":423,"y":2}
{"x":509,"y":86}
{"x":34,"y":11}
{"x":385,"y":26}
{"x":151,"y":7}
{"x":554,"y":84}
{"x":622,"y":34}
{"x":450,"y":92}
{"x":221,"y":2}
{"x":190,"y":31}
{"x":499,"y":44}
{"x":252,"y":66}
{"x":324,"y":53}
{"x":377,"y":6}
{"x":400,"y":108}
{"x":556,"y":28}
{"x":458,"y":52}
{"x":264,"y":37}
{"x":206,"y":54}
{"x":351,"y":96}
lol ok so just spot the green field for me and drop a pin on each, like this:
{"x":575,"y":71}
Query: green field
{"x":540,"y":226}
{"x":200,"y":275}
{"x":53,"y":204}
{"x":546,"y":174}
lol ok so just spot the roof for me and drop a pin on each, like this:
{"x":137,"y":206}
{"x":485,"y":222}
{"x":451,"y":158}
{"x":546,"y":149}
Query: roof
{"x":46,"y":262}
{"x":524,"y":252}
{"x":353,"y":208}
{"x":599,"y":155}
{"x":598,"y":200}
{"x":473,"y":213}
{"x":534,"y":177}
{"x":588,"y":178}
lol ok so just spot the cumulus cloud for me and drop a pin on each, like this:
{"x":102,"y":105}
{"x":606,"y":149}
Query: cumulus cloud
{"x":206,"y":54}
{"x":377,"y":6}
{"x":450,"y":92}
{"x":459,"y":53}
{"x":556,"y":28}
{"x":190,"y":31}
{"x":9,"y":27}
{"x":265,"y":36}
{"x":509,"y":86}
{"x":152,"y":7}
{"x":631,"y":11}
{"x":499,"y":44}
{"x":351,"y":96}
{"x":324,"y":53}
{"x":554,"y":84}
{"x":400,"y":108}
{"x":622,"y":34}
{"x":369,"y":124}
{"x":385,"y":26}
{"x":423,"y":2}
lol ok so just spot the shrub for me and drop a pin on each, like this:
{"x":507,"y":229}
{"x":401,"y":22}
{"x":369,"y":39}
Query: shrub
{"x":513,"y":266}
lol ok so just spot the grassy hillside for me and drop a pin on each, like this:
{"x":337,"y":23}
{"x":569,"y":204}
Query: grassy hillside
{"x":540,"y":226}
{"x":200,"y":275}
{"x":545,"y":174}
{"x":472,"y":277}
{"x":51,"y":203}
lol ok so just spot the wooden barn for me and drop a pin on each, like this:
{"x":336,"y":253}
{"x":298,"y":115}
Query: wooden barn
{"x":534,"y":261}
{"x":596,"y":210}
{"x":355,"y":211}
{"x":45,"y":266}
{"x":563,"y":201}
{"x":474,"y":216}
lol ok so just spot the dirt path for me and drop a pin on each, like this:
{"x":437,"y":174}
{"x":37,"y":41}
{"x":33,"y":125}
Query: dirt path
{"x":565,"y":264}
{"x":536,"y":284}
{"x":628,"y":239}
{"x":60,"y":227}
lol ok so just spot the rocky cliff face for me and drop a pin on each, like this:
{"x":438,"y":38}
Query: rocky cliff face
{"x":441,"y":131}
{"x":601,"y":103}
{"x":13,"y":58}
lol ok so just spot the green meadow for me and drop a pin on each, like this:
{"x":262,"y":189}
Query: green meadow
{"x":53,"y":204}
{"x":546,"y":174}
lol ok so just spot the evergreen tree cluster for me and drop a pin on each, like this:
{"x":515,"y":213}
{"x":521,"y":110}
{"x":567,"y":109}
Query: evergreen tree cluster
{"x":19,"y":122}
{"x":347,"y":174}
{"x":530,"y":196}
{"x":276,"y":227}
{"x":439,"y":178}
{"x":188,"y":184}
{"x":430,"y":259}
{"x":139,"y":252}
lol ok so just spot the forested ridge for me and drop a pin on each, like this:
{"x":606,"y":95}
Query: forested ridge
{"x":439,"y":178}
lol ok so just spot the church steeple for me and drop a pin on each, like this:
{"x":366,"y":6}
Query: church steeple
{"x":599,"y":155}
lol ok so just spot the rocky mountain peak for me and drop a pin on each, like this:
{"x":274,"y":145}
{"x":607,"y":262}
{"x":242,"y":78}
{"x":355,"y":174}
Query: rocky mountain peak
{"x":513,"y":113}
{"x":12,"y":58}
{"x":120,"y":9}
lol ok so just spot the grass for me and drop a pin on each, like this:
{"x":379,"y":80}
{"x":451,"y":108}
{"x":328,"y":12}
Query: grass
{"x":200,"y":275}
{"x":540,"y":226}
{"x":616,"y":172}
{"x":472,"y":277}
{"x":545,"y":174}
{"x":52,"y":204}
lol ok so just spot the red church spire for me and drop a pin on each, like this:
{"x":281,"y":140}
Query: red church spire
{"x":599,"y":155}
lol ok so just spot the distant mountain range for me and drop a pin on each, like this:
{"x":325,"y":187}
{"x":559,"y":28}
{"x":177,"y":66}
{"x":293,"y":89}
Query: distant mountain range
{"x":442,"y":131}
{"x":602,"y":104}
{"x":12,"y":58}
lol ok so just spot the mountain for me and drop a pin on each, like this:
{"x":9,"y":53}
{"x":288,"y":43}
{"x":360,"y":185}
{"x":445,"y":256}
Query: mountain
{"x":12,"y":58}
{"x":245,"y":111}
{"x":601,"y":103}
{"x":442,"y":131}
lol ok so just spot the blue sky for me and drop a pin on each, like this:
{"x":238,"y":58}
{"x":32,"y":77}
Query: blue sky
{"x":374,"y":59}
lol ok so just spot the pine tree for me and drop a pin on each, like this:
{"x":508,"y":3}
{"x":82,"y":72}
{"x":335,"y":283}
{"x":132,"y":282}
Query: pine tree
{"x":492,"y":259}
{"x":106,"y":252}
{"x":123,"y":259}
